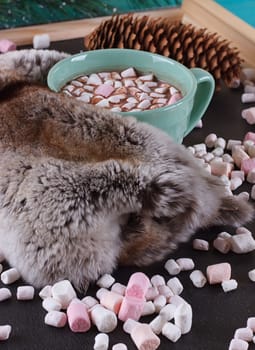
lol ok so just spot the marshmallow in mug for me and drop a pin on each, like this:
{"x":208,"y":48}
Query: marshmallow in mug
{"x":123,"y":91}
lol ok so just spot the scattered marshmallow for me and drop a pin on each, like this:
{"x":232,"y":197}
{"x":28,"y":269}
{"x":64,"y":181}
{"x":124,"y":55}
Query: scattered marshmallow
{"x":63,"y":292}
{"x":172,"y":267}
{"x":218,"y":273}
{"x":105,"y":281}
{"x":5,"y":332}
{"x":144,"y":337}
{"x":5,"y":294}
{"x":56,"y":319}
{"x":185,"y":264}
{"x":41,"y":41}
{"x":101,"y":341}
{"x":10,"y":276}
{"x":50,"y":304}
{"x":105,"y":320}
{"x":171,"y":332}
{"x":198,"y":278}
{"x":200,"y":244}
{"x":7,"y":45}
{"x":25,"y":292}
{"x":229,"y":285}
{"x":78,"y":317}
{"x":183,"y":317}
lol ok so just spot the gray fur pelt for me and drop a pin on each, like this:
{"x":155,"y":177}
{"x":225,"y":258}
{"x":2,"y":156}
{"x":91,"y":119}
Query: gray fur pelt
{"x":83,"y":189}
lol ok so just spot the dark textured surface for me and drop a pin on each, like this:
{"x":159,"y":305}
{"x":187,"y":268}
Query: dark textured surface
{"x":216,"y":314}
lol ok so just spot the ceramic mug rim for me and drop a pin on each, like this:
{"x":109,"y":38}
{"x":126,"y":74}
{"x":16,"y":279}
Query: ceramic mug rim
{"x":56,"y":86}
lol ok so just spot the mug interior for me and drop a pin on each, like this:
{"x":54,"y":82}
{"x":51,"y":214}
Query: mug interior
{"x":97,"y":61}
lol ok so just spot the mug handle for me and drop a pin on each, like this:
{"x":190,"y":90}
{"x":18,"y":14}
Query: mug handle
{"x":203,"y":96}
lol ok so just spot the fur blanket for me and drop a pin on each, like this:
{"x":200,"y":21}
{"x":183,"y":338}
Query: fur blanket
{"x":83,"y":189}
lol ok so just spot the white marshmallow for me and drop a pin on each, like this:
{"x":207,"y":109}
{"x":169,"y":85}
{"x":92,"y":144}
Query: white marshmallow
{"x":5,"y":332}
{"x":172,"y":267}
{"x":45,"y":292}
{"x":244,"y":334}
{"x":25,"y":293}
{"x":129,"y":324}
{"x":101,"y":341}
{"x":185,"y":264}
{"x":157,"y":324}
{"x":171,"y":331}
{"x":200,"y":244}
{"x":119,"y":346}
{"x":149,"y":308}
{"x":159,"y":302}
{"x":105,"y":320}
{"x":198,"y":278}
{"x":175,"y":285}
{"x":168,"y":311}
{"x":251,"y":275}
{"x":41,"y":41}
{"x":183,"y":317}
{"x":63,"y":292}
{"x":89,"y":301}
{"x":5,"y":293}
{"x":10,"y":276}
{"x":157,"y":280}
{"x":50,"y":304}
{"x":229,"y":285}
{"x":242,"y":243}
{"x":56,"y":319}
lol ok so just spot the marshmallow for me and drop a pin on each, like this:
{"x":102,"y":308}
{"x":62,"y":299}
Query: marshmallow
{"x":10,"y":276}
{"x":242,"y":243}
{"x":198,"y":278}
{"x":185,"y":264}
{"x":119,"y":346}
{"x":200,"y":244}
{"x":167,"y":312}
{"x":244,"y":334}
{"x":105,"y":320}
{"x":138,"y":285}
{"x":229,"y":285}
{"x":50,"y":304}
{"x":5,"y":332}
{"x":175,"y":285}
{"x":89,"y":301}
{"x":238,"y":344}
{"x":118,"y":288}
{"x":171,"y":331}
{"x":144,"y":338}
{"x":105,"y":281}
{"x":159,"y":302}
{"x":157,"y":324}
{"x":25,"y":293}
{"x":78,"y":317}
{"x":56,"y":319}
{"x":45,"y":292}
{"x":251,"y":323}
{"x":63,"y":292}
{"x":5,"y":293}
{"x":41,"y":41}
{"x":131,"y":308}
{"x":157,"y":280}
{"x":183,"y":317}
{"x":101,"y":342}
{"x":148,"y":309}
{"x":111,"y":301}
{"x":172,"y":267}
{"x":151,"y":293}
{"x":218,"y":273}
{"x":7,"y":45}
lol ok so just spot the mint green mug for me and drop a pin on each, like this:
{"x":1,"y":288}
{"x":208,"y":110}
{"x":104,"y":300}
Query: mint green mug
{"x":178,"y":119}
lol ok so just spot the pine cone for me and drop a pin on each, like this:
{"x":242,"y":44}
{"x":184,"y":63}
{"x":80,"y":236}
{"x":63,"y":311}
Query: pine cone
{"x":182,"y":42}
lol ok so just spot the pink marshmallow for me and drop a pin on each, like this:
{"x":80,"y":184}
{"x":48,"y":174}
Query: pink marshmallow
{"x":248,"y":165}
{"x":7,"y":45}
{"x":218,"y":272}
{"x":131,"y":308}
{"x":111,"y":301}
{"x":249,"y":136}
{"x":238,"y":154}
{"x":78,"y":317}
{"x":249,"y":115}
{"x":222,"y":245}
{"x":221,"y":168}
{"x":138,"y":285}
{"x":104,"y":90}
{"x":174,"y":98}
{"x":144,"y":338}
